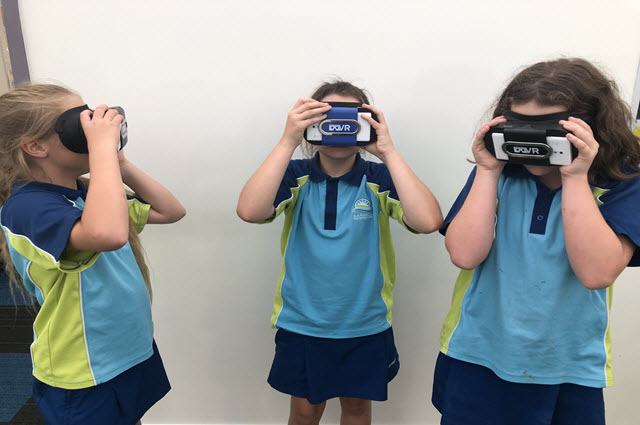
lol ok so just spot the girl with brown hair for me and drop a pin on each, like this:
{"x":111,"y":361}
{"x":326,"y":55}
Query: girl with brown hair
{"x":527,"y":339}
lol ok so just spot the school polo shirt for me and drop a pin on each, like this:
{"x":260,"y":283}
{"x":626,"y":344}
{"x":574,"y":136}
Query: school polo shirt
{"x":338,"y":267}
{"x":95,"y":317}
{"x":523,"y":313}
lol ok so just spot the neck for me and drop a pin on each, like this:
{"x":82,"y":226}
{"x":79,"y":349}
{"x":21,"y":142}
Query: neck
{"x":50,"y":176}
{"x":336,"y":167}
{"x":551,"y":180}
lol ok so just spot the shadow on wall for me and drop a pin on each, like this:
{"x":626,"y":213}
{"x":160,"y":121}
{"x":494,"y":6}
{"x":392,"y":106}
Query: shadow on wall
{"x":16,"y":334}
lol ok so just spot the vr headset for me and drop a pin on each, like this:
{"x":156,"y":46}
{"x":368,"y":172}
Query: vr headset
{"x":344,"y":126}
{"x":69,"y":128}
{"x":531,"y":140}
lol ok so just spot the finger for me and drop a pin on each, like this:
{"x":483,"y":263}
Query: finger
{"x":496,"y":121}
{"x":584,"y":149}
{"x":375,"y":124}
{"x":580,"y":132}
{"x":300,"y":101}
{"x":377,"y":111}
{"x":311,"y":112}
{"x":313,"y":120}
{"x":100,"y":111}
{"x":485,"y":129}
{"x":581,"y":123}
{"x":310,"y":105}
{"x":119,"y":119}
{"x":85,"y":117}
{"x":482,"y":132}
{"x":110,"y":114}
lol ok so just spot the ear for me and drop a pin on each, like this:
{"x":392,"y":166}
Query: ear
{"x":34,"y":148}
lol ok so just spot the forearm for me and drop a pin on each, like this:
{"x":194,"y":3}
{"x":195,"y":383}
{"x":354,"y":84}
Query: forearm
{"x":421,"y":210}
{"x":470,"y":235}
{"x":165,"y":208}
{"x":597,"y":255}
{"x":104,"y":225}
{"x":257,"y":196}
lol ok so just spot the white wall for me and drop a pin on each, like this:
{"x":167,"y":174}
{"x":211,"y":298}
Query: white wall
{"x":207,"y":86}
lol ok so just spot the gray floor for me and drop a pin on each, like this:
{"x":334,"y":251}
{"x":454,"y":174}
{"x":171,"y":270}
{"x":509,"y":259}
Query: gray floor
{"x":16,"y":323}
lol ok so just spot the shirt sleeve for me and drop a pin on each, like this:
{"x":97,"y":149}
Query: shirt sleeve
{"x":459,"y":202}
{"x":38,"y":226}
{"x":387,"y":195}
{"x":294,"y":177}
{"x":138,"y":212}
{"x":620,"y":207}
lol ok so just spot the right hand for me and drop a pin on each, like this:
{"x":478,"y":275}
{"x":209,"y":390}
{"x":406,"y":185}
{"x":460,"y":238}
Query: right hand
{"x":304,"y":113}
{"x":484,"y":159}
{"x":102,"y":127}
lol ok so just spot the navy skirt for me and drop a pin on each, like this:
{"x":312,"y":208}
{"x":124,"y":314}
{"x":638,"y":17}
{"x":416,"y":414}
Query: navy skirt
{"x":319,"y":369}
{"x":122,"y":400}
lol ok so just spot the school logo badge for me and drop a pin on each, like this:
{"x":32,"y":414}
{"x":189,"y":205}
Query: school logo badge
{"x":362,"y":209}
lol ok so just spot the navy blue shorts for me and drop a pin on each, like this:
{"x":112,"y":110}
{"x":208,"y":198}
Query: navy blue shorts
{"x":319,"y":369}
{"x":122,"y":400}
{"x":470,"y":394}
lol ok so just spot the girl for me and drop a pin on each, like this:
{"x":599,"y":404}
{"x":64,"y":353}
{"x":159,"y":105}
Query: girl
{"x":76,"y":250}
{"x":527,"y":338}
{"x":334,"y":296}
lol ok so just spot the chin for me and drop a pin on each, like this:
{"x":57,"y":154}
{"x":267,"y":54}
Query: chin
{"x":541,"y":170}
{"x":339,"y":151}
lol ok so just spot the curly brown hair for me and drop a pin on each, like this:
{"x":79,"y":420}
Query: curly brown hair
{"x":588,"y":93}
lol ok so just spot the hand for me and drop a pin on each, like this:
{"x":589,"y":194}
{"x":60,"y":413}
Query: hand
{"x":102,"y":128}
{"x":484,"y":159}
{"x":384,"y":146}
{"x":581,"y":137}
{"x":304,"y":113}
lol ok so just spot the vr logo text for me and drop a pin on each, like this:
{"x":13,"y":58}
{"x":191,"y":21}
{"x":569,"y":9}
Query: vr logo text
{"x":525,"y":150}
{"x":340,"y":127}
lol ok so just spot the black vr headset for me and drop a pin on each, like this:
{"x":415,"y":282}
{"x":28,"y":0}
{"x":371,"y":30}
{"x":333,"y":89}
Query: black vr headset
{"x":69,"y":128}
{"x":531,"y":139}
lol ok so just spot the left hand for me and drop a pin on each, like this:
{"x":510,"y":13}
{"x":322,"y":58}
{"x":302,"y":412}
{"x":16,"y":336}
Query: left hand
{"x":384,"y":146}
{"x":580,"y":136}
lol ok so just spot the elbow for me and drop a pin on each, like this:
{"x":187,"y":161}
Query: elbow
{"x":597,"y":278}
{"x":244,"y":216}
{"x":434,"y":225}
{"x":464,"y":262}
{"x":110,"y":241}
{"x":177,"y":215}
{"x":247,"y":215}
{"x":426,"y":226}
{"x":465,"y":259}
{"x":594,"y":283}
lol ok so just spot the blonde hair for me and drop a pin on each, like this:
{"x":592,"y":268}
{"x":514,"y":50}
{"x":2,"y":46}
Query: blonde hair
{"x":30,"y":112}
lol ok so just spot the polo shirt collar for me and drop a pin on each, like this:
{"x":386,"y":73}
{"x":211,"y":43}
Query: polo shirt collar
{"x":353,"y":177}
{"x":80,"y":192}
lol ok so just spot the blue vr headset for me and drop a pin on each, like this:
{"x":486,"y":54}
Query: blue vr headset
{"x":69,"y":128}
{"x":344,"y":126}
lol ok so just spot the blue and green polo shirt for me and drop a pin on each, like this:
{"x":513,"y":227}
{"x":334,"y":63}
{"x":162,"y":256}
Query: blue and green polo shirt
{"x":338,"y":264}
{"x":523,"y":313}
{"x":95,"y":317}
